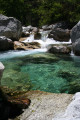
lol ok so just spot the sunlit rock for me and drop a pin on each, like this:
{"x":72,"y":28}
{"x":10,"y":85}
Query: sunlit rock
{"x":10,"y":27}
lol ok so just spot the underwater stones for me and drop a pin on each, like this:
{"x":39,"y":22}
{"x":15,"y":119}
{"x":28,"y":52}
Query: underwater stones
{"x":5,"y":43}
{"x":1,"y":70}
{"x":67,"y":75}
{"x":63,"y":49}
{"x":10,"y":27}
{"x":72,"y":87}
{"x":25,"y":46}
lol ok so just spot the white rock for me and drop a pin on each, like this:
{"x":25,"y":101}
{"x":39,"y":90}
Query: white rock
{"x":1,"y":70}
{"x":73,"y":110}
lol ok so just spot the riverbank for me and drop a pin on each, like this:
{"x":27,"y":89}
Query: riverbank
{"x":44,"y":105}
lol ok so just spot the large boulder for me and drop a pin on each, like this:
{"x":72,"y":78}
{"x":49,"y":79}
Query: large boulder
{"x":75,"y":38}
{"x":10,"y":27}
{"x":76,"y":47}
{"x":5,"y":43}
{"x":60,"y":34}
{"x":75,"y":32}
{"x":1,"y":70}
{"x":59,"y":48}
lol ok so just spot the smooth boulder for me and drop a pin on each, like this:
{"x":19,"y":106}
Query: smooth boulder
{"x":5,"y":43}
{"x":59,"y":48}
{"x":10,"y":27}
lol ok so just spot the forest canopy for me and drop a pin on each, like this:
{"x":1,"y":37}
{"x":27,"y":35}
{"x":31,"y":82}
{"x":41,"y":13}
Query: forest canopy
{"x":41,"y":12}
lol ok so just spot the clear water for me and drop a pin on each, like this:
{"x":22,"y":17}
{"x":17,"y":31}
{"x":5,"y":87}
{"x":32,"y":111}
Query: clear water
{"x":42,"y":71}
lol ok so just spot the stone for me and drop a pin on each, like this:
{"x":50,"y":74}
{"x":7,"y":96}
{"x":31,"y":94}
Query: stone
{"x":37,"y":36}
{"x":75,"y":32}
{"x":62,"y":25}
{"x":44,"y":105}
{"x":73,"y":110}
{"x":5,"y":43}
{"x":76,"y":47}
{"x":25,"y":46}
{"x":10,"y":27}
{"x":60,"y":34}
{"x":63,"y":49}
{"x":75,"y":38}
{"x":1,"y":70}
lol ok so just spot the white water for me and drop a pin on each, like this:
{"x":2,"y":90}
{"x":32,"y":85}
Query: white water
{"x":44,"y":41}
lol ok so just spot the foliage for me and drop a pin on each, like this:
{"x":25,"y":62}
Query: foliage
{"x":40,"y":12}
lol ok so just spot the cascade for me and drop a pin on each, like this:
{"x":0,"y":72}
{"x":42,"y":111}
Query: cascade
{"x":44,"y":41}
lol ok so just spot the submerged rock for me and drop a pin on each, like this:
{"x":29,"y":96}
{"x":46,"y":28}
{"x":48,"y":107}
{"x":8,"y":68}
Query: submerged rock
{"x":63,"y":49}
{"x":10,"y":27}
{"x":5,"y":43}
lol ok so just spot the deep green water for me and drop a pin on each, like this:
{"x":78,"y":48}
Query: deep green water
{"x":43,"y":71}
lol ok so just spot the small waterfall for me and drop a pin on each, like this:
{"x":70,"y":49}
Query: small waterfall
{"x":44,"y":41}
{"x":44,"y":35}
{"x":30,"y":38}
